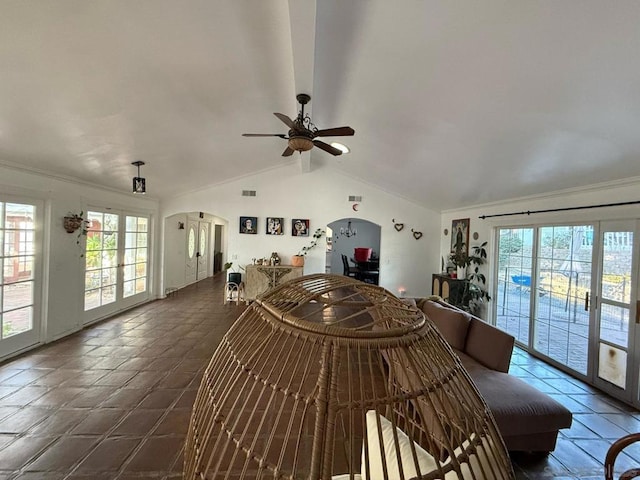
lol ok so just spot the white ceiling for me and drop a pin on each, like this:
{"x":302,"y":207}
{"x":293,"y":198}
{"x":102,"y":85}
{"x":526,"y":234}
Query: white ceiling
{"x":454,"y":102}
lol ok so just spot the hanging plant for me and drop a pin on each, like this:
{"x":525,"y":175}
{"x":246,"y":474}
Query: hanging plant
{"x":73,"y":221}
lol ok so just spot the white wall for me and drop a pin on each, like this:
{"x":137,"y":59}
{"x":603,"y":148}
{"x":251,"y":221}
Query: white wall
{"x":63,"y":266}
{"x":606,"y":193}
{"x":321,"y":196}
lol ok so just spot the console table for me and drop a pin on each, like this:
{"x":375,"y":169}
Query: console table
{"x":450,"y":289}
{"x":261,"y":278}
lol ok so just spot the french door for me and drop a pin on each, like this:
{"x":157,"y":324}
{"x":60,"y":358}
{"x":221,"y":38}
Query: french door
{"x":615,"y":311}
{"x":568,"y":293}
{"x":20,"y":282}
{"x":116,"y":262}
{"x":197,"y":261}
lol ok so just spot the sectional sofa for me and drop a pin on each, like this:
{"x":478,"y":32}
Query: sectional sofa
{"x":528,"y":419}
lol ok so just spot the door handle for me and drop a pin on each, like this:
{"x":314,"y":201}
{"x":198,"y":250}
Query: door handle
{"x":638,"y":312}
{"x":586,"y":301}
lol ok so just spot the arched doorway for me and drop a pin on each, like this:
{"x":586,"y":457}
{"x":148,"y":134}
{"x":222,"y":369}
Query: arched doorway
{"x":347,"y":234}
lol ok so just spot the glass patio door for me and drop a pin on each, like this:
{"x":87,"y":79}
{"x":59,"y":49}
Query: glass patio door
{"x":543,"y":276}
{"x":19,"y":284}
{"x":116,"y":263}
{"x":615,"y":312}
{"x":561,"y":324}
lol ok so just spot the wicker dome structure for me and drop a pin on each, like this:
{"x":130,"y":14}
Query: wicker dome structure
{"x":328,"y":377}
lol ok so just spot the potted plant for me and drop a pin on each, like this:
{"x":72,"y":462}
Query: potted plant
{"x":298,"y":259}
{"x":473,"y":295}
{"x":74,"y":221}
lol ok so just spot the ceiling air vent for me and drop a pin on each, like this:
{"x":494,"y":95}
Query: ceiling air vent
{"x":355,"y":198}
{"x":248,"y":193}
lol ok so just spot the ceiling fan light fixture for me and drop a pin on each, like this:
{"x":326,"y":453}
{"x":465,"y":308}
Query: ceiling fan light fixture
{"x":340,"y":146}
{"x":300,"y":144}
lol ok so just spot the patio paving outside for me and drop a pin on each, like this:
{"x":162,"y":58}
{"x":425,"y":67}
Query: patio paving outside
{"x":562,"y":326}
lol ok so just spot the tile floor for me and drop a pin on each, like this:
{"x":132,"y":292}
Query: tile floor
{"x":113,"y":401}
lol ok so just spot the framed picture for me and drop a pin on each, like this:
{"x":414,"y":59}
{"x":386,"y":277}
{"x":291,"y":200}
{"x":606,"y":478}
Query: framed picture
{"x":249,"y":225}
{"x":460,"y":235}
{"x":300,"y":227}
{"x":274,"y":226}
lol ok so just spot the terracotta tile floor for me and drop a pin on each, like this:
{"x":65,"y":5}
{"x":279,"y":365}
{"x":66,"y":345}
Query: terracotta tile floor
{"x":113,"y":401}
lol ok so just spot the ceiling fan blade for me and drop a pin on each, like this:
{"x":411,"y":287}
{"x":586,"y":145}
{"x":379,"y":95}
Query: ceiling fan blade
{"x":327,"y":148}
{"x":281,"y":135}
{"x":335,"y":132}
{"x":287,"y":152}
{"x":286,"y":120}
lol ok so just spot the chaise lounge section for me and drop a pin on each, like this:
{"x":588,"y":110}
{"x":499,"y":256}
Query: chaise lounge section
{"x":528,"y":419}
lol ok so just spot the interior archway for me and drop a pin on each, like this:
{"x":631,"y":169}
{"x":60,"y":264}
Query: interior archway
{"x":343,"y":241}
{"x":193,"y":247}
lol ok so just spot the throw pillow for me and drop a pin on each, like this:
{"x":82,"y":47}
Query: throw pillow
{"x":483,"y":463}
{"x":403,"y":456}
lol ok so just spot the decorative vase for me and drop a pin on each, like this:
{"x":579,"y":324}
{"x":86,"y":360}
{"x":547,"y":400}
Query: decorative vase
{"x":461,"y":272}
{"x":297,"y":260}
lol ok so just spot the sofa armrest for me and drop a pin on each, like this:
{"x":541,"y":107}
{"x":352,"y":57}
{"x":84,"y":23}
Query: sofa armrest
{"x":489,"y":345}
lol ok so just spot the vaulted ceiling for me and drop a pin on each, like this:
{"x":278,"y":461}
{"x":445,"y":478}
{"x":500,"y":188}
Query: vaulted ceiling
{"x":454,"y":102}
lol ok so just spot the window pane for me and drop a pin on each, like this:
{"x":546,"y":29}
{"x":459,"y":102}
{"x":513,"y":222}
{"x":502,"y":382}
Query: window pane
{"x":92,"y":299}
{"x":131,"y":224}
{"x":17,"y":321}
{"x":17,"y":295}
{"x":108,"y":295}
{"x":141,"y":240}
{"x":129,"y":288}
{"x":141,"y":255}
{"x":141,"y":285}
{"x":191,"y":248}
{"x":129,"y":240}
{"x":515,"y":260}
{"x":614,"y":324}
{"x":110,"y":222}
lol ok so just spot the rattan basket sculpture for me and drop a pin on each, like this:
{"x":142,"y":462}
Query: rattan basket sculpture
{"x":325,"y":376}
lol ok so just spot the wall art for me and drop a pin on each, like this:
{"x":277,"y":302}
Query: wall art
{"x":275,"y":226}
{"x":249,"y":225}
{"x":300,"y":227}
{"x":460,"y":235}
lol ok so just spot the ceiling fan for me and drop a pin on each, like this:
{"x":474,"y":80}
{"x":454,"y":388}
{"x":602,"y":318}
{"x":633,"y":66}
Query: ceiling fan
{"x":302,"y":134}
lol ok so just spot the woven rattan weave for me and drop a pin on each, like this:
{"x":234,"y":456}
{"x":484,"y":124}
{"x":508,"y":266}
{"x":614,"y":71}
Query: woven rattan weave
{"x":326,"y":376}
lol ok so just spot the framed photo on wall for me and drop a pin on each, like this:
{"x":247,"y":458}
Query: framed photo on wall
{"x":300,"y":227}
{"x":275,"y":226}
{"x":249,"y":225}
{"x":460,"y":235}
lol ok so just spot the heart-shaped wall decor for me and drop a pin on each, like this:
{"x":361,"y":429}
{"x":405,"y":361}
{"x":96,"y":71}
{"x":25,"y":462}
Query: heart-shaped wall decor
{"x":398,"y":226}
{"x":417,"y":235}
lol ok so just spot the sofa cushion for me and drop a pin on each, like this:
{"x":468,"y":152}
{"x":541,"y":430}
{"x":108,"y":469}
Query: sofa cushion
{"x":517,"y":407}
{"x":453,"y":324}
{"x":489,"y":345}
